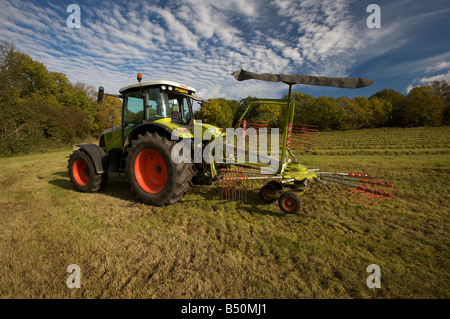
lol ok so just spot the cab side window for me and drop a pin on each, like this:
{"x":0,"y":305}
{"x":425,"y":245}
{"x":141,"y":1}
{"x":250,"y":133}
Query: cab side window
{"x":186,"y":114}
{"x":134,"y":108}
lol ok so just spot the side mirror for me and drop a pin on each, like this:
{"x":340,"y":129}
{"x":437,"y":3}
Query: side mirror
{"x":101,"y":93}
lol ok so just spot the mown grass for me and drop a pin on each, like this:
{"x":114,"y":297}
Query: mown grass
{"x":204,"y":247}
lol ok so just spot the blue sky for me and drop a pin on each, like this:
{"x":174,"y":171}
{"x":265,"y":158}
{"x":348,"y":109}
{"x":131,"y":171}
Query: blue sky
{"x":201,"y":42}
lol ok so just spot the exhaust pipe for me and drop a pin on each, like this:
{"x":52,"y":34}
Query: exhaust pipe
{"x":101,"y":93}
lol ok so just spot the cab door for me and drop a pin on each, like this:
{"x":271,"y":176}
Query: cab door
{"x":133,"y":111}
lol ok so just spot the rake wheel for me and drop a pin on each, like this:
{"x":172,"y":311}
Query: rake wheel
{"x":289,"y":202}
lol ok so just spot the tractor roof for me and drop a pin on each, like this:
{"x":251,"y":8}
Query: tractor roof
{"x":157,"y":83}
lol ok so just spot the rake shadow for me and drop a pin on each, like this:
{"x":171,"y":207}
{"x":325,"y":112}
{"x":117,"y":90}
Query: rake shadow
{"x":252,"y":200}
{"x":121,"y":190}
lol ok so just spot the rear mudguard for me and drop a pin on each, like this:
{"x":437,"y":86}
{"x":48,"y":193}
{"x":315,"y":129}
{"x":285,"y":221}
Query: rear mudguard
{"x":97,"y":155}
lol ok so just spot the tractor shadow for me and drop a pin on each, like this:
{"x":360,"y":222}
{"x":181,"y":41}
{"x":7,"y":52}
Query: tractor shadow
{"x":62,"y":180}
{"x":121,"y":190}
{"x":114,"y":187}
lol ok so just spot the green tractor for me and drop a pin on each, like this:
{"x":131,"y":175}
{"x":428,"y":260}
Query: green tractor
{"x":156,"y":115}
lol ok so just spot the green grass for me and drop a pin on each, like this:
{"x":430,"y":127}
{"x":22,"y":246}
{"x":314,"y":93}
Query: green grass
{"x":204,"y":247}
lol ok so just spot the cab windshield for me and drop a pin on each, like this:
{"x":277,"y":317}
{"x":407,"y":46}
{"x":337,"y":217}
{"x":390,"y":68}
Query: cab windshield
{"x":180,"y":108}
{"x":147,"y":104}
{"x":151,"y":104}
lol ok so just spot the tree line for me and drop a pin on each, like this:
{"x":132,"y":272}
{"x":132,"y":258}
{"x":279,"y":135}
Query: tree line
{"x":42,"y":110}
{"x":425,"y":105}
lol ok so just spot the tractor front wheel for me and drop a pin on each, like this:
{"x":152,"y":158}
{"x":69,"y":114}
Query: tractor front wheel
{"x":83,"y":175}
{"x":154,"y":177}
{"x":289,"y":202}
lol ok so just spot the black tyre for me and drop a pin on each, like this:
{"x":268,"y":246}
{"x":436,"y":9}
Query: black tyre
{"x":268,"y":193}
{"x":277,"y":184}
{"x":83,"y":175}
{"x":289,"y":202}
{"x":154,"y":177}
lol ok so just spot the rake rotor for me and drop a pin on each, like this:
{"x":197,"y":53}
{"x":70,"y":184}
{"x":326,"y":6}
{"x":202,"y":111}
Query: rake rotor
{"x":291,"y":174}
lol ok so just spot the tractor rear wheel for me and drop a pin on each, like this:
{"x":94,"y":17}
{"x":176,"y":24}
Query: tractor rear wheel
{"x":154,"y":177}
{"x":83,"y":174}
{"x":289,"y":202}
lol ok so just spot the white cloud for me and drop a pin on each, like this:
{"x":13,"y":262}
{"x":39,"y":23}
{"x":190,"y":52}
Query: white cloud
{"x":178,"y":31}
{"x":439,"y":66}
{"x":439,"y":77}
{"x":327,"y":40}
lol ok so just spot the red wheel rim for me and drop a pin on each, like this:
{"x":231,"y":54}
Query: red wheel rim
{"x":150,"y":171}
{"x":267,"y":192}
{"x":80,"y":172}
{"x":289,"y":204}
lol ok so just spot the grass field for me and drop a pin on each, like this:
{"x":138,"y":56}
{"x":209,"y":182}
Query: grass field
{"x":204,"y":247}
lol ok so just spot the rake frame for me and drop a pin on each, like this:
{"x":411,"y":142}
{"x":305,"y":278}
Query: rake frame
{"x":291,"y":174}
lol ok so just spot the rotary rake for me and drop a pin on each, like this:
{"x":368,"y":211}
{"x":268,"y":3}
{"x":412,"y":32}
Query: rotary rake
{"x":292,"y":178}
{"x":361,"y":188}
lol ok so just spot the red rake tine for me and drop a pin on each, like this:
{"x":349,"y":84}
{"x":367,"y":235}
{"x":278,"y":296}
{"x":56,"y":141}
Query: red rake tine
{"x":233,"y":191}
{"x":372,"y":198}
{"x":237,"y":186}
{"x":238,"y":183}
{"x":241,"y":186}
{"x":345,"y":195}
{"x":360,"y":197}
{"x":381,"y":197}
{"x":351,"y":193}
{"x":246,"y":188}
{"x":356,"y":194}
{"x":228,"y":189}
{"x":224,"y":184}
{"x":368,"y":200}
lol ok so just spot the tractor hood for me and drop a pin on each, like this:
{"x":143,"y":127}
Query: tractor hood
{"x":214,"y":131}
{"x":185,"y":131}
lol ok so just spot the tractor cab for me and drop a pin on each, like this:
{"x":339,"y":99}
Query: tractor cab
{"x":157,"y":101}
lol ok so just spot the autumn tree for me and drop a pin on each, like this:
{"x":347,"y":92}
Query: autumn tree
{"x":442,"y":89}
{"x":217,"y":113}
{"x":354,"y":114}
{"x":421,"y":107}
{"x":110,"y":107}
{"x":392,"y":102}
{"x":32,"y":115}
{"x":305,"y":111}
